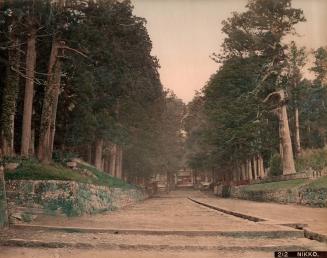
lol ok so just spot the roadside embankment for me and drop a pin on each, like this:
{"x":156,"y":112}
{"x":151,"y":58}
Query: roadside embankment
{"x":27,"y":198}
{"x":33,"y":189}
{"x":311,"y":192}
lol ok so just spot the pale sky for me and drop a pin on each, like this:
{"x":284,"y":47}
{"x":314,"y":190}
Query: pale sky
{"x":185,"y":33}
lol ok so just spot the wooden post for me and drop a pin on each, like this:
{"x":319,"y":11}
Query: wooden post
{"x":3,"y":200}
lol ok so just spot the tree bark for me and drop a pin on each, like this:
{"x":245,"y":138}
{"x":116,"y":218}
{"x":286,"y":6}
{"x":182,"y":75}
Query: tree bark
{"x":119,"y":162}
{"x":49,"y":109}
{"x":29,"y":94}
{"x":3,"y":200}
{"x":249,"y":166}
{"x":98,"y":154}
{"x":113,"y":158}
{"x":280,"y":98}
{"x":255,"y":167}
{"x":243,"y":171}
{"x":261,"y":167}
{"x":9,"y":97}
{"x":297,"y":132}
{"x":240,"y":171}
{"x":288,"y":159}
{"x":32,"y":143}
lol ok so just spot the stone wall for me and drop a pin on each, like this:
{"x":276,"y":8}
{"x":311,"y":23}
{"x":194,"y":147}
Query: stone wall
{"x":303,"y":175}
{"x":303,"y":195}
{"x":309,"y":174}
{"x":27,"y":198}
{"x":280,"y":196}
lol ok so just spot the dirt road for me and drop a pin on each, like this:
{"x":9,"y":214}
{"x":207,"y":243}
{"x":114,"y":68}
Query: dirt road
{"x":167,"y":226}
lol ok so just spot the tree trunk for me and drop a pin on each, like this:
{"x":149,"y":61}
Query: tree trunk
{"x":243,"y":169}
{"x":29,"y":94}
{"x":279,"y":97}
{"x":119,"y":162}
{"x":9,"y":97}
{"x":255,"y":167}
{"x":55,"y":106}
{"x":234,"y":173}
{"x":288,"y":159}
{"x":249,"y":166}
{"x":3,"y":200}
{"x":113,"y":158}
{"x":32,"y":143}
{"x":98,"y":154}
{"x":261,"y":167}
{"x":106,"y":166}
{"x":240,"y":172}
{"x":89,"y":153}
{"x":297,"y":132}
{"x":49,"y":109}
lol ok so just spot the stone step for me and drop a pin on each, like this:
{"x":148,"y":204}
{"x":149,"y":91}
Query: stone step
{"x":242,"y":233}
{"x":46,"y":238}
{"x":204,"y":245}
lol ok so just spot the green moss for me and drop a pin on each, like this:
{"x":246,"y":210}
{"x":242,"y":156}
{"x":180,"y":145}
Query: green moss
{"x":27,"y":217}
{"x":67,"y":206}
{"x":106,"y":179}
{"x":32,"y":170}
{"x":320,"y":183}
{"x":275,"y":185}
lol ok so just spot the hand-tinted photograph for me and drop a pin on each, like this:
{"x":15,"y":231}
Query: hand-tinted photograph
{"x":163,"y":128}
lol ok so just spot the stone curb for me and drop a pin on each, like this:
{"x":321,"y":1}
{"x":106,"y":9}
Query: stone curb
{"x":305,"y":232}
{"x":315,"y":236}
{"x":103,"y":245}
{"x":236,"y":214}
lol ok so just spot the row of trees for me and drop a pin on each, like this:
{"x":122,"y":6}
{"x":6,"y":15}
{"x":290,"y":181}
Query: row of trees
{"x":258,"y":107}
{"x":78,"y":79}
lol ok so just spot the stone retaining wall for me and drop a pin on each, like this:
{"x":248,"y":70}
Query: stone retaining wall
{"x":280,"y":196}
{"x":27,"y":198}
{"x":302,"y":195}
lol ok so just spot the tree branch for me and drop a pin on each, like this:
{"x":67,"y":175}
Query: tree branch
{"x":74,"y":50}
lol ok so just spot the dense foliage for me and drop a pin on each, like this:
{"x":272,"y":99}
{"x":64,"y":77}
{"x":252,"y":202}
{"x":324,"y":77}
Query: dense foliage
{"x":95,"y":88}
{"x":238,"y":123}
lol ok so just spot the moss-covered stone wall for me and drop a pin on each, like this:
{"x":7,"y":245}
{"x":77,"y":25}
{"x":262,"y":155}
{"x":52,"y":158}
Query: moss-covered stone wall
{"x":66,"y":197}
{"x":303,"y":195}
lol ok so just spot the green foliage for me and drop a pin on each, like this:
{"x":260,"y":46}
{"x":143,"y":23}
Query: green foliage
{"x":105,"y":179}
{"x":32,"y":170}
{"x":320,"y":183}
{"x":255,"y":62}
{"x":275,"y":165}
{"x":315,"y":159}
{"x":237,"y":130}
{"x":27,"y":217}
{"x":65,"y":205}
{"x":110,"y":85}
{"x":275,"y":185}
{"x":63,"y":157}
